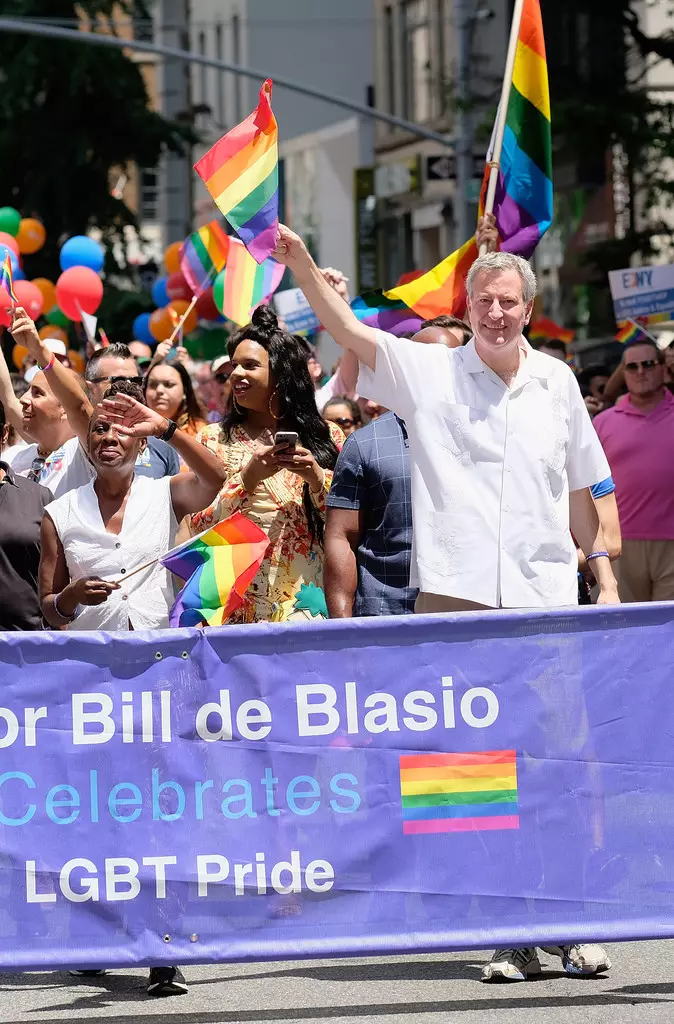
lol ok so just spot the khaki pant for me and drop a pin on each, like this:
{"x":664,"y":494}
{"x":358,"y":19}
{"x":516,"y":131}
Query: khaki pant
{"x":645,"y":570}
{"x":427,"y":604}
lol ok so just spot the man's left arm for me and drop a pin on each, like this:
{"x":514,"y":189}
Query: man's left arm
{"x":586,"y":528}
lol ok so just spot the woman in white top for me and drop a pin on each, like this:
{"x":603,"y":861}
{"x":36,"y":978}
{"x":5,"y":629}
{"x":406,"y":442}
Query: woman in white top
{"x":95,"y":535}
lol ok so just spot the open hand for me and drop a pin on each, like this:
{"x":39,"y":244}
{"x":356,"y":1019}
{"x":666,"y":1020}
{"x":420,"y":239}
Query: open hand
{"x":132,"y":418}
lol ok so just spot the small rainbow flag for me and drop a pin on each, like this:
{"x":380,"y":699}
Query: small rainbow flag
{"x":244,"y":284}
{"x":631,"y":332}
{"x":219,"y":565}
{"x":7,"y":279}
{"x":202,"y":255}
{"x":544,"y":328}
{"x":241,"y":174}
{"x":459,"y":792}
{"x":375,"y":310}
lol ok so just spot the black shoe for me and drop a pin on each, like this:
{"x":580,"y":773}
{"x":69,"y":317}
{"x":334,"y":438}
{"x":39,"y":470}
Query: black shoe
{"x":166,"y":981}
{"x":92,"y":973}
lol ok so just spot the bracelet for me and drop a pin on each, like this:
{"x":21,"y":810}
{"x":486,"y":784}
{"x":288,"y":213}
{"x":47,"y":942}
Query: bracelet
{"x":66,"y":618}
{"x":169,"y":432}
{"x":596,"y":554}
{"x":47,"y":368}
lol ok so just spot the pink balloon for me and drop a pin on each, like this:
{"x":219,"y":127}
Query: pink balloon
{"x":10,"y":241}
{"x":79,"y":285}
{"x":30,"y":297}
{"x":178,"y":288}
{"x":5,"y":304}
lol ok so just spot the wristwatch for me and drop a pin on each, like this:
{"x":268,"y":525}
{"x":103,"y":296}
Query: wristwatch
{"x":169,"y":432}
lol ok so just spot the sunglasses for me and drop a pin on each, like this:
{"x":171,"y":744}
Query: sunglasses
{"x":116,"y":380}
{"x":646,"y":364}
{"x":222,"y":378}
{"x":344,"y":421}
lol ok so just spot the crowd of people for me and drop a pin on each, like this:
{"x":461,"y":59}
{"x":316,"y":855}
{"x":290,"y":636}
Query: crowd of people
{"x":456,"y":469}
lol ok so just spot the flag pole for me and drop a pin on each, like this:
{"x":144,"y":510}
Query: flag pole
{"x":178,"y":326}
{"x":643,"y":330}
{"x":502,"y":112}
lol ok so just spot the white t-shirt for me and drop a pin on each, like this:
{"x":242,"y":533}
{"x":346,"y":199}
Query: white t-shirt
{"x":65,"y":468}
{"x":148,"y":531}
{"x":492,"y":468}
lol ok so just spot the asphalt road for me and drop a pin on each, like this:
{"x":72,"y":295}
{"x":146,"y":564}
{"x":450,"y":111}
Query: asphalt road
{"x":385,"y":990}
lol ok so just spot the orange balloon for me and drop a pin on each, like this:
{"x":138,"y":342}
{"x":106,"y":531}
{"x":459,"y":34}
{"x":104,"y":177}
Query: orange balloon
{"x":31,"y":236}
{"x":48,"y":292}
{"x":19,"y":353}
{"x":160,"y":324}
{"x":52,"y":331}
{"x":181,"y":307}
{"x":172,"y":257}
{"x":76,"y":360}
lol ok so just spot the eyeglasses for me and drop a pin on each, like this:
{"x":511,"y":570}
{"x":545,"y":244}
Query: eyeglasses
{"x":116,"y":380}
{"x":35,"y":471}
{"x":344,"y":421}
{"x":222,"y":378}
{"x":645,"y":364}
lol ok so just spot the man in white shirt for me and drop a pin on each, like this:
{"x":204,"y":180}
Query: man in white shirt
{"x":503,"y":455}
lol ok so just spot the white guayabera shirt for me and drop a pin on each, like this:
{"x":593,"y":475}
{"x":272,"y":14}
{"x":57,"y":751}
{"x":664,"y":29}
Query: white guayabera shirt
{"x":492,"y":468}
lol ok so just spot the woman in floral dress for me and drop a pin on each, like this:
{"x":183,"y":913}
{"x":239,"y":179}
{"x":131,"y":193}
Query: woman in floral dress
{"x":281,"y":489}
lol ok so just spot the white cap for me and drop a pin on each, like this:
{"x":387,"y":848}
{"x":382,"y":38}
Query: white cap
{"x":219,"y":362}
{"x":31,"y":373}
{"x":55,"y":346}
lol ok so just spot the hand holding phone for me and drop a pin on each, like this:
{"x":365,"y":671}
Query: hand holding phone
{"x":289,"y":438}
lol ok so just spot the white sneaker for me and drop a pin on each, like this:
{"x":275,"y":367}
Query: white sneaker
{"x":512,"y":965}
{"x":581,"y":958}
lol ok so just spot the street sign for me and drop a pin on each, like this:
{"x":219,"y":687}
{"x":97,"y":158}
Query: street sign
{"x":440,"y":168}
{"x":294,"y":309}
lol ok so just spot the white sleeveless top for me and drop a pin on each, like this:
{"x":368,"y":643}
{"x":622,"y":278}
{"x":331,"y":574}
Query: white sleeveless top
{"x":148,"y":531}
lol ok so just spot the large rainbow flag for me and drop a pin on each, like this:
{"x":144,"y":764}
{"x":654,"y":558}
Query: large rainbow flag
{"x":241,"y":174}
{"x":523,"y":201}
{"x":375,"y":310}
{"x":219,"y":565}
{"x":202,"y":255}
{"x":459,"y":792}
{"x":244,"y":284}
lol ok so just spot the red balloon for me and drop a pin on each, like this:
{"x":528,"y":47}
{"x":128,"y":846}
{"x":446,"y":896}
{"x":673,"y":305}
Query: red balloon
{"x":79,"y":285}
{"x":205,"y":307}
{"x":178,"y":288}
{"x":30,"y":297}
{"x":10,"y":241}
{"x":5,"y":304}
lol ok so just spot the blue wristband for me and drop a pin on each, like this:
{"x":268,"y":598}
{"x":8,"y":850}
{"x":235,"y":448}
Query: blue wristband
{"x":596,"y":554}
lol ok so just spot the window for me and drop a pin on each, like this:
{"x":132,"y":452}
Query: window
{"x":219,"y":78}
{"x":236,"y":58}
{"x":141,"y":23}
{"x":416,"y":65}
{"x":389,"y":59}
{"x":148,"y":206}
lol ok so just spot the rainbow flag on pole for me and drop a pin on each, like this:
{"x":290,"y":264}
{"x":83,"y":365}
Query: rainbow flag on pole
{"x":244,"y":284}
{"x":202,"y":255}
{"x":523,"y":202}
{"x":459,"y":792}
{"x":241,"y":174}
{"x":542,"y":327}
{"x":219,"y":565}
{"x":631,"y":332}
{"x":7,"y":279}
{"x":373,"y":309}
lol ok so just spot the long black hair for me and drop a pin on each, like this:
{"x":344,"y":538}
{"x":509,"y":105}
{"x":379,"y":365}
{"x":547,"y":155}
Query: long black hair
{"x":190,"y":414}
{"x":295,"y":393}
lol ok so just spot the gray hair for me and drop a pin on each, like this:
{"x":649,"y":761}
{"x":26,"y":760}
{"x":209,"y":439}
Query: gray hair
{"x":504,"y":261}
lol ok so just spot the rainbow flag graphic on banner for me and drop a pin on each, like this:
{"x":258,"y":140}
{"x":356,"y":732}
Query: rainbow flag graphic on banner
{"x":241,"y":174}
{"x":219,"y":565}
{"x":459,"y":792}
{"x":244,"y":284}
{"x":7,"y":279}
{"x":202,"y":255}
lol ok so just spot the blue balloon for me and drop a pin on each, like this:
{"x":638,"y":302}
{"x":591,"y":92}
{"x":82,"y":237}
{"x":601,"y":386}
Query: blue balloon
{"x":13,"y":258}
{"x":160,"y":296}
{"x":18,"y":274}
{"x":81,"y":251}
{"x":141,"y":329}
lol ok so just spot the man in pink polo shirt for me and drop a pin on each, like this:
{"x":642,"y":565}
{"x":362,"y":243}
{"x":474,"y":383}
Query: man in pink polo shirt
{"x":638,"y":437}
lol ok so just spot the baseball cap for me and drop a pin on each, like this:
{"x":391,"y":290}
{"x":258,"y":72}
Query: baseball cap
{"x":218,"y":363}
{"x":55,"y":346}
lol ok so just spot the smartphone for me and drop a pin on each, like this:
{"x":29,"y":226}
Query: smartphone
{"x":287,"y":437}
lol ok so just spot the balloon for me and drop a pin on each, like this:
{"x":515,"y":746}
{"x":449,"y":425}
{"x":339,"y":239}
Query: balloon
{"x":178,"y":288}
{"x":10,"y":219}
{"x":160,"y":296}
{"x":76,"y":360}
{"x":57,"y":317}
{"x":10,"y":242}
{"x":219,"y":291}
{"x":30,"y":297}
{"x":141,"y":329}
{"x":19,"y":353}
{"x":161,"y":326}
{"x":18,"y":274}
{"x":81,"y":251}
{"x":50,"y":331}
{"x":48,"y":291}
{"x":191,"y":321}
{"x":79,"y":285}
{"x":205,"y":307}
{"x":172,"y":257}
{"x":31,"y":236}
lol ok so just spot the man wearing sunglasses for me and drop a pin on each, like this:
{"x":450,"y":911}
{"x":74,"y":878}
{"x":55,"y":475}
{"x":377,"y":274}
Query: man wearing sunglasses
{"x":638,"y":437}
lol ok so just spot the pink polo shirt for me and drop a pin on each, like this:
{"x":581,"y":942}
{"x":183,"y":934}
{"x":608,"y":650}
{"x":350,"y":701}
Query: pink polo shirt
{"x":640,"y":451}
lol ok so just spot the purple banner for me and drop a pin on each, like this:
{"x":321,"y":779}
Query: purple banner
{"x":343,"y":788}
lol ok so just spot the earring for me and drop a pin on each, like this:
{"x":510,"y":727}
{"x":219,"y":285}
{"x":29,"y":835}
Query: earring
{"x":271,"y":411}
{"x":237,"y":407}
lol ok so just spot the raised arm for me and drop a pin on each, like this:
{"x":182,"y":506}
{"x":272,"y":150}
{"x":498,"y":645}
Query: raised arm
{"x":63,"y":382}
{"x":335,"y":315}
{"x":11,"y":403}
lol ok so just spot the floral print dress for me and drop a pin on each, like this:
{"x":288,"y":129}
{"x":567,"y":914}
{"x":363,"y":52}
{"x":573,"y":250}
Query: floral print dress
{"x":277,"y":507}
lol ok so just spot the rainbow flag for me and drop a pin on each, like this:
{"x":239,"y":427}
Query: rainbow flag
{"x":7,"y":279}
{"x":244,"y":284}
{"x":202,"y":255}
{"x":523,"y":200}
{"x":542,"y":327}
{"x":631,"y":332}
{"x":219,"y":565}
{"x":373,"y":309}
{"x":459,"y":792}
{"x":241,"y":174}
